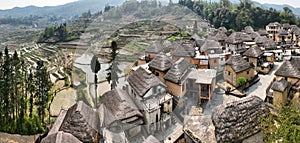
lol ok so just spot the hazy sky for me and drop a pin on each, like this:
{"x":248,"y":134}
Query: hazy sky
{"x":294,"y":3}
{"x":7,"y":4}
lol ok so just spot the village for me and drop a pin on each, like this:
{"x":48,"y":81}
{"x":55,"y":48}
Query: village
{"x":211,"y":89}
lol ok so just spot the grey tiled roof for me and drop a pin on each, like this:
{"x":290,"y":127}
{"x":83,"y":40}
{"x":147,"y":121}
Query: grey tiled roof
{"x":82,"y":122}
{"x":178,"y":71}
{"x":280,"y":85}
{"x":262,"y":32}
{"x":61,"y":137}
{"x":161,"y":63}
{"x":239,"y":120}
{"x":283,"y":32}
{"x":254,"y":52}
{"x":238,"y":37}
{"x":209,"y":44}
{"x":288,"y":69}
{"x":118,"y":106}
{"x":260,"y":39}
{"x":184,"y":51}
{"x":142,"y":80}
{"x":155,"y":47}
{"x":238,"y":64}
{"x":221,"y":36}
{"x":249,"y":29}
{"x":269,"y":44}
{"x":295,"y":60}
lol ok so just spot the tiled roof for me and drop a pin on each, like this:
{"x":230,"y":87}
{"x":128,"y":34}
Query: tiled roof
{"x":156,"y":47}
{"x":221,"y":36}
{"x":161,"y":62}
{"x":254,"y":52}
{"x":295,"y":60}
{"x":260,"y":39}
{"x":249,"y":29}
{"x":274,"y":24}
{"x":238,"y":64}
{"x":60,"y":137}
{"x":178,"y":71}
{"x":184,"y":51}
{"x":238,"y":37}
{"x":280,"y":85}
{"x":269,"y":44}
{"x":283,"y":32}
{"x":288,"y":69}
{"x":209,"y":44}
{"x":82,"y":122}
{"x":222,"y":29}
{"x":119,"y":105}
{"x":142,"y":80}
{"x":238,"y":120}
{"x":262,"y":32}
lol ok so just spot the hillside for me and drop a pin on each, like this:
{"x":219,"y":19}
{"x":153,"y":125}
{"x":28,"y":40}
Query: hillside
{"x":66,"y":11}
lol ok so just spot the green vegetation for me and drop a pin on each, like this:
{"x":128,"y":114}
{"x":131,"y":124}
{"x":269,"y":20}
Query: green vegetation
{"x":113,"y":69}
{"x":65,"y":33}
{"x":283,"y":125}
{"x":242,"y":80}
{"x":61,"y":33}
{"x":179,"y":35}
{"x":237,"y":16}
{"x":24,"y":97}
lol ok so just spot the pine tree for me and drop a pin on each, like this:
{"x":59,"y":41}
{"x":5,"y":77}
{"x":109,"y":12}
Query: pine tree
{"x":43,"y":86}
{"x":113,"y":69}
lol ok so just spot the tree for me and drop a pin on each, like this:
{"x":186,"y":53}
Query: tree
{"x":95,"y":66}
{"x":283,"y":124}
{"x":113,"y":70}
{"x":242,"y":80}
{"x":43,"y":85}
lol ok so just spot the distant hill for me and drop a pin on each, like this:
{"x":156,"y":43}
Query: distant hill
{"x":78,"y":7}
{"x":67,"y":10}
{"x":296,"y":11}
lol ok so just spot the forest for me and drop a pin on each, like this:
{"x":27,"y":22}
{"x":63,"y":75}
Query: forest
{"x":24,"y":95}
{"x":237,"y":16}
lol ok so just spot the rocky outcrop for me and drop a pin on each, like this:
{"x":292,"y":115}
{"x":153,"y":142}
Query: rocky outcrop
{"x":239,"y":120}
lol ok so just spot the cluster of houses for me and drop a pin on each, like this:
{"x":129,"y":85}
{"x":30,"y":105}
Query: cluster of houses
{"x":162,"y":98}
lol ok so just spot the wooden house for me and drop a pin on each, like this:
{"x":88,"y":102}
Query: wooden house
{"x":221,"y":37}
{"x":236,"y":40}
{"x":160,"y":65}
{"x":153,"y":49}
{"x":149,"y":94}
{"x":280,"y":89}
{"x":236,"y":67}
{"x":201,"y":82}
{"x":273,"y":30}
{"x":186,"y":51}
{"x":119,"y":113}
{"x":289,"y":70}
{"x":175,"y":78}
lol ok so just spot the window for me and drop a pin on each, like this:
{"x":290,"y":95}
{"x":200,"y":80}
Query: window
{"x":229,"y":73}
{"x":215,"y":61}
{"x":247,"y":72}
{"x":156,"y":73}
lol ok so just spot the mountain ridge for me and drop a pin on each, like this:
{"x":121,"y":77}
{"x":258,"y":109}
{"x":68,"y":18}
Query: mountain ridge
{"x":78,"y":7}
